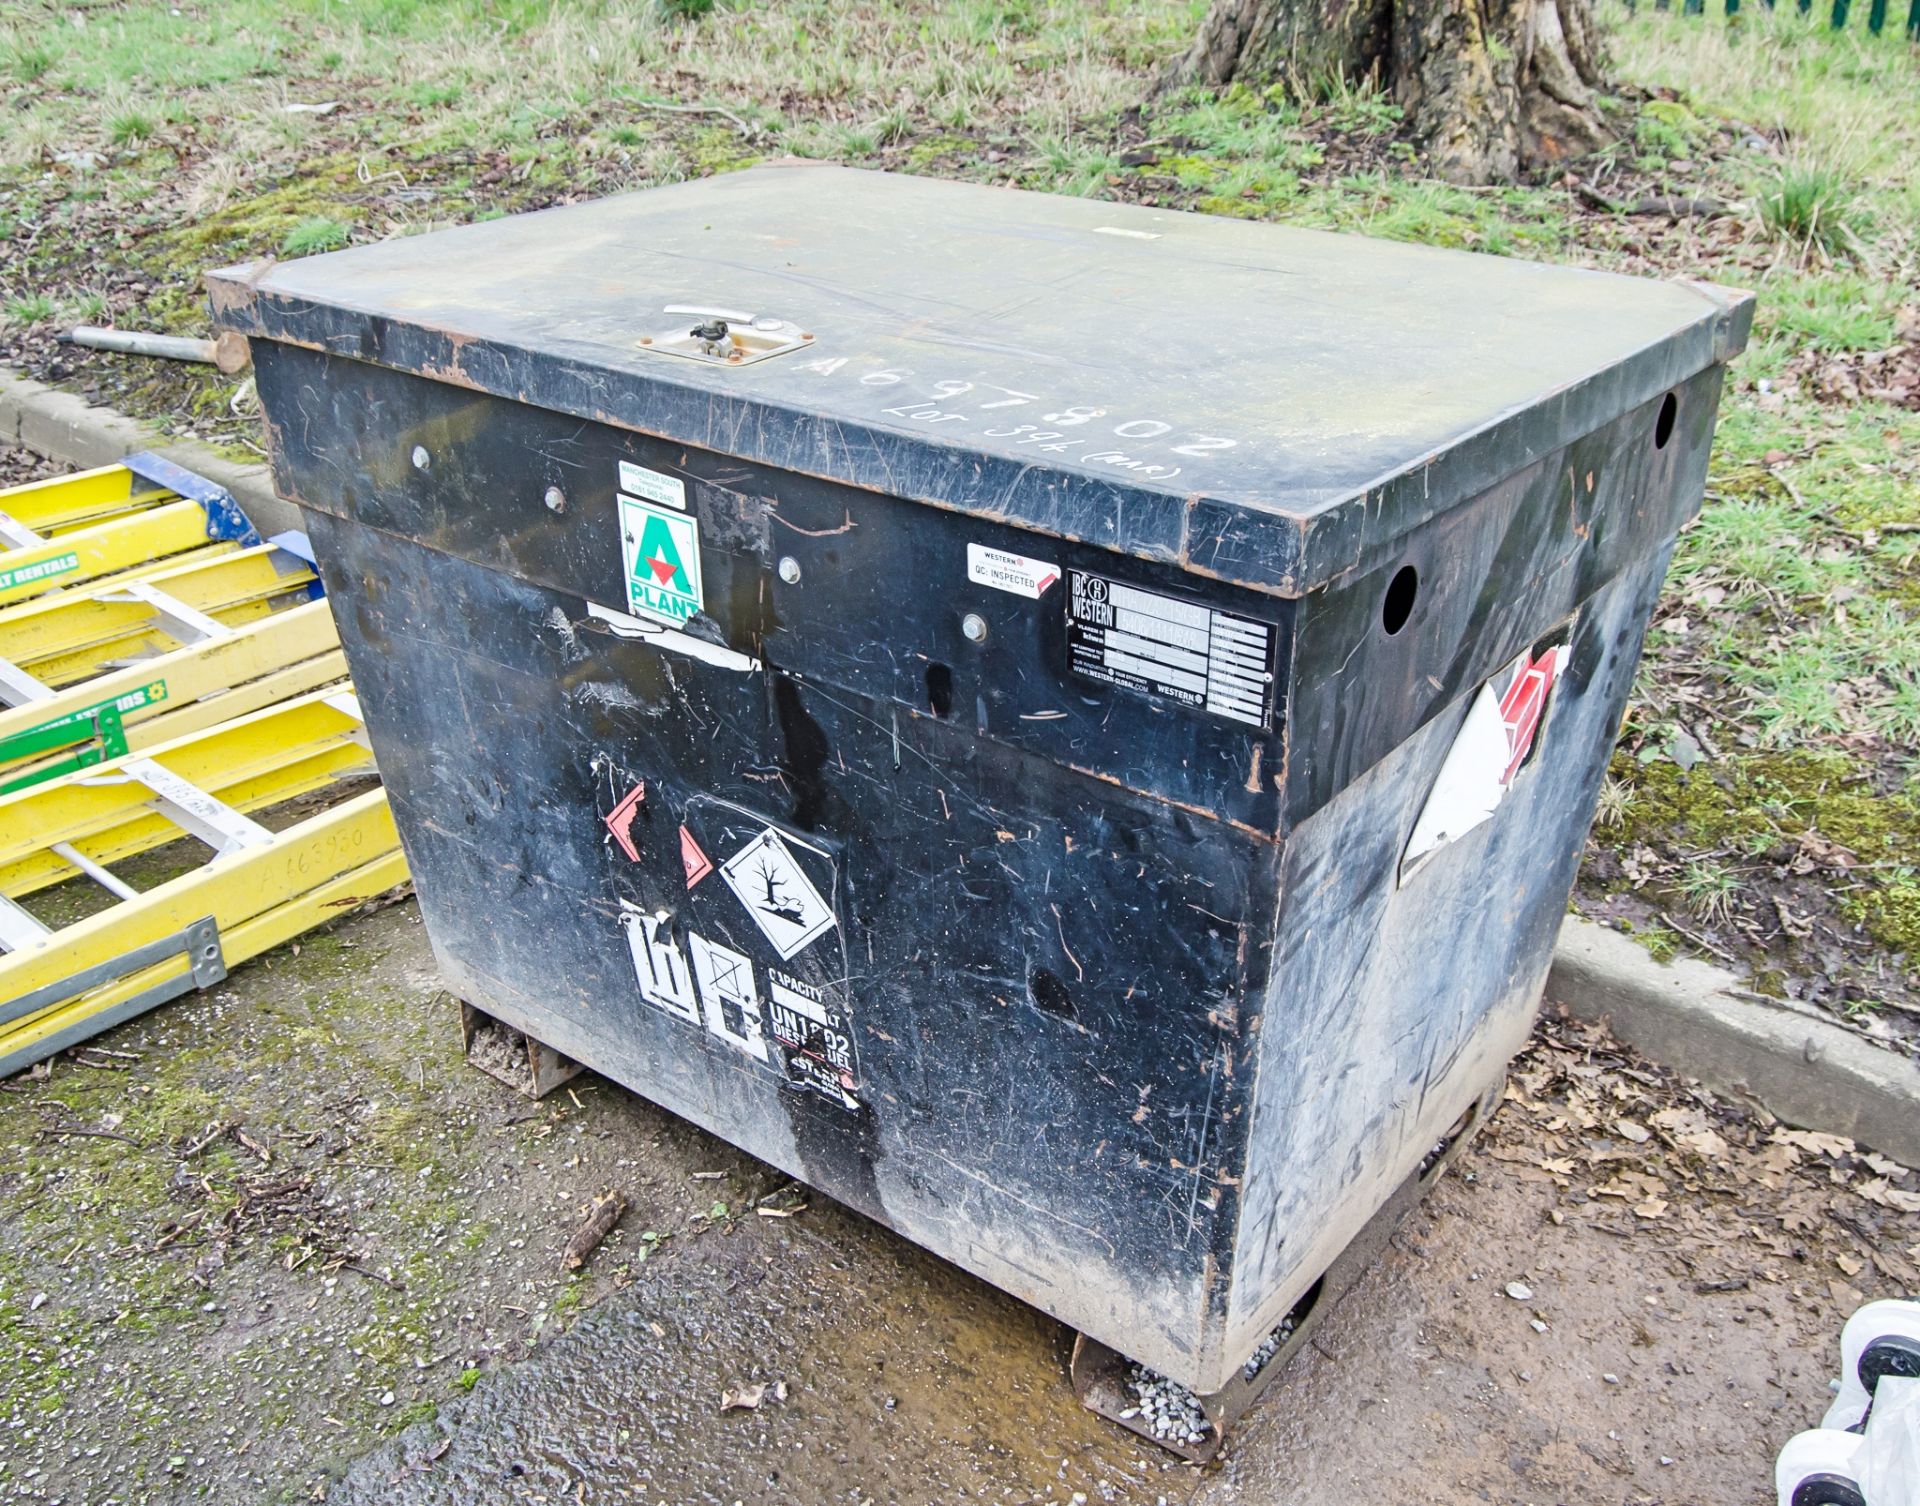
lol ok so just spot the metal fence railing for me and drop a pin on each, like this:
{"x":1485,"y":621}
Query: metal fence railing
{"x":1842,"y":11}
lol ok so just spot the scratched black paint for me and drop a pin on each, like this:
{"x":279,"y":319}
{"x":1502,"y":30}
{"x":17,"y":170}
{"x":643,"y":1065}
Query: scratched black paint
{"x":1146,"y":1025}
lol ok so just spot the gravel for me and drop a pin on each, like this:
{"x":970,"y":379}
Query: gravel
{"x":1269,"y":1347}
{"x":1166,"y":1408}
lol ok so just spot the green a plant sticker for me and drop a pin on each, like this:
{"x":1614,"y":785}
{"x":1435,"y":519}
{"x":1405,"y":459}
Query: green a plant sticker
{"x":662,"y":553}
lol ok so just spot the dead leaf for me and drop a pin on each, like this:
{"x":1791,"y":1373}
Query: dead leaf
{"x":1653,"y":1207}
{"x":1850,"y":1265}
{"x":1892,"y":1170}
{"x":1627,"y":1129}
{"x":1690,"y":1130}
{"x":1813,"y":1140}
{"x":1559,"y":1166}
{"x":748,"y":1398}
{"x":1780,"y":1158}
{"x":1883,"y":1192}
{"x":1897,"y":1270}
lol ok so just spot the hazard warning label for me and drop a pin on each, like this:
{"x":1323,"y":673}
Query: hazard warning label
{"x":1212,"y":661}
{"x":767,"y":878}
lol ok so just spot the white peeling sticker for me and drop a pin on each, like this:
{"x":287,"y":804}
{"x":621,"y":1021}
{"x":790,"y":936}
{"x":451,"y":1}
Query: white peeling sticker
{"x":665,"y":981}
{"x":1487,"y":752}
{"x":1017,"y":573}
{"x":655,"y":486}
{"x":767,"y":878}
{"x":623,"y":626}
{"x":728,"y":992}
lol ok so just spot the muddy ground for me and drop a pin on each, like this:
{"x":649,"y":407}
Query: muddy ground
{"x":279,"y":1243}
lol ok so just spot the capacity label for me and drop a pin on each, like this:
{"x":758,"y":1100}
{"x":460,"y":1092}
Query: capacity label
{"x":1212,"y":661}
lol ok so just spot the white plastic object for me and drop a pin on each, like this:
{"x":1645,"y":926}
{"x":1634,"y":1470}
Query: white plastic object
{"x":1888,"y":1462}
{"x":1821,"y":1454}
{"x":1889,"y":1318}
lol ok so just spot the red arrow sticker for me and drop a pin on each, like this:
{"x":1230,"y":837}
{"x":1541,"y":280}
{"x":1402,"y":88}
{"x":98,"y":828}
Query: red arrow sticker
{"x":1522,"y":705}
{"x":619,"y":820}
{"x":696,"y":862}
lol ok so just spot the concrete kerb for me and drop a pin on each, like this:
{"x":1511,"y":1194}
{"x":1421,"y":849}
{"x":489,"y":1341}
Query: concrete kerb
{"x":65,"y":428}
{"x":1802,"y":1069}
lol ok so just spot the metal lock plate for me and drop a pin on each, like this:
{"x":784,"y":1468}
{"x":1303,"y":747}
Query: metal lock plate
{"x":722,"y":337}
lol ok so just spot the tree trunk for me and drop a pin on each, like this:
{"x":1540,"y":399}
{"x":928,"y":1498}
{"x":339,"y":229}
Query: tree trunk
{"x":1491,"y":88}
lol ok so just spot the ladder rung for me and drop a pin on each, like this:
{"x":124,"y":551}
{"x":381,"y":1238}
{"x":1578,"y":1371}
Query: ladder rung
{"x":193,"y":810}
{"x":18,"y":688}
{"x":17,"y":928}
{"x":15,"y":534}
{"x":188,"y":624}
{"x":106,"y":878}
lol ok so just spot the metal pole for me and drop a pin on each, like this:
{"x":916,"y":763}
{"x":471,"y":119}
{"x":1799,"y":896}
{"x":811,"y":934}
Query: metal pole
{"x":229,"y":352}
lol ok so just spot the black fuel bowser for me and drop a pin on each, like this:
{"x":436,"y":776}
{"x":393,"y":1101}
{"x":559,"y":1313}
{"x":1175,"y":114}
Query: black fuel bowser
{"x":1068,"y":727}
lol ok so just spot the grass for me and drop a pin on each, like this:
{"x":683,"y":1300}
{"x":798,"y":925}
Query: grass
{"x":317,"y":232}
{"x":1811,"y":208}
{"x":31,"y":309}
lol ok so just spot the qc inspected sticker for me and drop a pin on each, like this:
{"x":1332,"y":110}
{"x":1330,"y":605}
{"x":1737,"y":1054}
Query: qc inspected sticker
{"x":1215,"y":662}
{"x":661,"y":551}
{"x":654,"y":486}
{"x":1010,"y":572}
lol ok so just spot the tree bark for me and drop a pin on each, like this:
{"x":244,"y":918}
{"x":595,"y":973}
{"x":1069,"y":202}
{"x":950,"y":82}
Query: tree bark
{"x":1491,"y":88}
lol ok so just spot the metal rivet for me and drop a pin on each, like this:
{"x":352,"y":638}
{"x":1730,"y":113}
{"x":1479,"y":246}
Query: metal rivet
{"x":789,"y":569}
{"x":556,"y":500}
{"x":421,"y":459}
{"x":975,"y":627}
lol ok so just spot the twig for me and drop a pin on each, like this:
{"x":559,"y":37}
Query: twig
{"x":741,"y":125}
{"x":1698,"y":940}
{"x":205,"y":1140}
{"x":601,"y":1218}
{"x":360,"y":1270}
{"x":82,"y":1061}
{"x":1672,"y":207}
{"x":90,"y":1134}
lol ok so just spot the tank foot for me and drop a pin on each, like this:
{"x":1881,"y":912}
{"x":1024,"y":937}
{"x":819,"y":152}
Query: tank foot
{"x":1195,"y":1426}
{"x":512,"y":1056}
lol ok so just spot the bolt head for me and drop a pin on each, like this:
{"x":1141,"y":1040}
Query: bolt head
{"x":421,"y":459}
{"x":789,"y":569}
{"x":556,"y":500}
{"x":975,"y":627}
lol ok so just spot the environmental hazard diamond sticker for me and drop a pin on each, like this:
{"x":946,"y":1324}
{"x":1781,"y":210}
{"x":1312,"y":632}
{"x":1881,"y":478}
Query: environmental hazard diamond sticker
{"x":661,"y":550}
{"x":767,"y":878}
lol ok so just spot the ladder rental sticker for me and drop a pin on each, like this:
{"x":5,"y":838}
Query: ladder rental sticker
{"x":39,"y":570}
{"x":661,"y":551}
